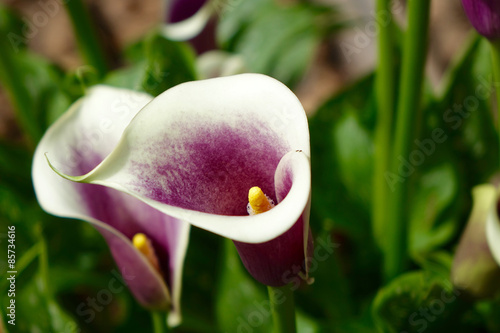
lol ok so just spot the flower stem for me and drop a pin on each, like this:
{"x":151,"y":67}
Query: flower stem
{"x":86,"y":36}
{"x":159,"y":322}
{"x":384,"y":87}
{"x":495,"y":56}
{"x":282,"y":308}
{"x":44,"y":263}
{"x":408,"y":116}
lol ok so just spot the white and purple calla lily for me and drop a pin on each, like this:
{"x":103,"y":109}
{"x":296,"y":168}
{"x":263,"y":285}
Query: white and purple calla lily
{"x":196,"y":150}
{"x":77,"y":143}
{"x":185,"y":19}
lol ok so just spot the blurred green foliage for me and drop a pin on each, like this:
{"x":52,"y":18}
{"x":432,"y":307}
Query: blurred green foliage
{"x":62,"y":262}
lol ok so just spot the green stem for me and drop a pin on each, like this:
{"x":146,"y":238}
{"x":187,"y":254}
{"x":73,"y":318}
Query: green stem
{"x":384,"y":87}
{"x":86,"y":36}
{"x":408,"y":116}
{"x":159,"y":322}
{"x":44,"y":262}
{"x":26,"y":259}
{"x":282,"y":308}
{"x":495,"y":55}
{"x":11,"y":77}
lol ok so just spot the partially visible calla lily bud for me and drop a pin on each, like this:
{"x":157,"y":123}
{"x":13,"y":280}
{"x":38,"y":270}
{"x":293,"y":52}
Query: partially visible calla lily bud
{"x":184,"y":19}
{"x":474,"y":269}
{"x":197,"y":153}
{"x":149,"y":247}
{"x":484,"y":16}
{"x":493,"y":230}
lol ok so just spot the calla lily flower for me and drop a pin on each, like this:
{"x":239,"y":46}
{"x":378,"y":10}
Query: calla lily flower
{"x":184,"y":19}
{"x":196,"y":150}
{"x":484,"y":16}
{"x":79,"y":141}
{"x":474,"y":269}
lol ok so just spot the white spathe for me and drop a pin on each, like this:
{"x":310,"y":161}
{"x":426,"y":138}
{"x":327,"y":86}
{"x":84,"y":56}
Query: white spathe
{"x":237,"y":101}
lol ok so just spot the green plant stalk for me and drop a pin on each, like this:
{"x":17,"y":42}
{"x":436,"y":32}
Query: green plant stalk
{"x":2,"y":325}
{"x":408,"y":115}
{"x":86,"y":36}
{"x":159,"y":322}
{"x":282,"y":309}
{"x":43,"y":260}
{"x":27,"y":258}
{"x":12,"y":82}
{"x":384,"y":89}
{"x":495,"y":56}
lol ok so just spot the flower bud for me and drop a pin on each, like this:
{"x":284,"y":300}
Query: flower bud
{"x":484,"y":15}
{"x":474,"y":269}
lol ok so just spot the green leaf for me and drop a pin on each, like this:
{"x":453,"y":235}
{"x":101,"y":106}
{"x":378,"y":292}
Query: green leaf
{"x":337,"y":206}
{"x":330,"y":288}
{"x":434,"y":192}
{"x":200,"y":284}
{"x":168,"y":64}
{"x":234,"y":17}
{"x":157,"y":64}
{"x":306,"y":324}
{"x":13,"y":26}
{"x":464,"y":113}
{"x":35,"y":312}
{"x":42,"y":84}
{"x":15,"y":167}
{"x":466,"y":156}
{"x":242,"y":303}
{"x":286,"y":52}
{"x":130,"y":77}
{"x":419,"y":301}
{"x":490,"y":314}
{"x":354,"y":147}
{"x":335,"y":185}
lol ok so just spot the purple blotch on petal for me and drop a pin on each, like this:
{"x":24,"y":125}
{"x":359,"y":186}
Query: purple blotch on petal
{"x":129,"y":216}
{"x":211,"y":168}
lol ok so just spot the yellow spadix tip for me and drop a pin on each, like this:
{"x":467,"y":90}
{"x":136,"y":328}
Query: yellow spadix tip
{"x":258,"y":201}
{"x":140,"y":241}
{"x":143,"y":244}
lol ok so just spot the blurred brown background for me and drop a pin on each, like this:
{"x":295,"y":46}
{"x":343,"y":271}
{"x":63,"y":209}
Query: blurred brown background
{"x":121,"y":22}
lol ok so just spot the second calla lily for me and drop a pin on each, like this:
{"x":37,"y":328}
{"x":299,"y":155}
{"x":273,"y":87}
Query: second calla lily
{"x":185,"y":19}
{"x":196,"y":150}
{"x":149,"y":247}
